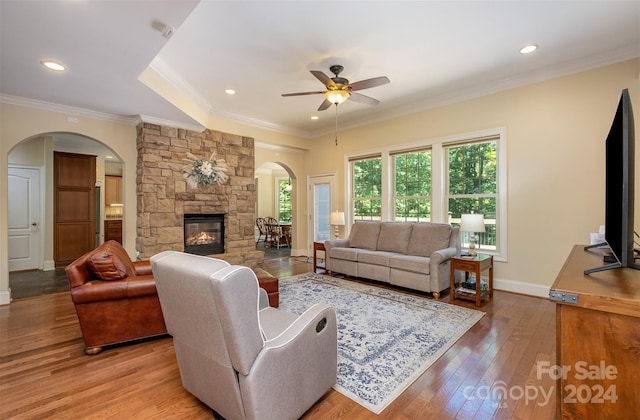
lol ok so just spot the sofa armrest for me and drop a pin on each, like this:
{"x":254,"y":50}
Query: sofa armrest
{"x":143,"y":268}
{"x":333,"y":243}
{"x":343,"y":243}
{"x":439,"y":268}
{"x":443,"y":255}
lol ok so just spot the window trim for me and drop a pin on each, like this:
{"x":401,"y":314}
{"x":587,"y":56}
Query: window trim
{"x":438,"y":179}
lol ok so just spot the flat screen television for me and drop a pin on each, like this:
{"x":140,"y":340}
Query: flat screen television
{"x":619,"y":195}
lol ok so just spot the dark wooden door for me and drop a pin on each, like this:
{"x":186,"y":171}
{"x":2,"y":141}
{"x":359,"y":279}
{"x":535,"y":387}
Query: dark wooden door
{"x":74,"y":206}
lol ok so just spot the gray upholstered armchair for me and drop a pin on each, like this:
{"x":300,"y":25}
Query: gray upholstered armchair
{"x":236,"y":354}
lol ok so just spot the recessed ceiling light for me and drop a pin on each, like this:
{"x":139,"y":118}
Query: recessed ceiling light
{"x":108,"y":157}
{"x":528,"y":49}
{"x":315,"y":117}
{"x":53,"y":65}
{"x":230,"y":91}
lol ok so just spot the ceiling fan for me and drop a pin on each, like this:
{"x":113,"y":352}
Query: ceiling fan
{"x":339,"y":89}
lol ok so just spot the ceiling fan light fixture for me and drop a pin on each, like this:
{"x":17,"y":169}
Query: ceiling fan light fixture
{"x":336,"y":96}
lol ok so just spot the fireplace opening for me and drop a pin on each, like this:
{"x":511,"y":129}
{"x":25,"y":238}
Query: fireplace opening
{"x":204,"y":234}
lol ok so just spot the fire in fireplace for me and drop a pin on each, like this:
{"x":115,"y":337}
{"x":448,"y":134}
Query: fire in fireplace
{"x":204,"y":234}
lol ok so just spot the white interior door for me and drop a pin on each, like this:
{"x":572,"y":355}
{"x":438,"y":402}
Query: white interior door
{"x":24,"y":218}
{"x":322,"y":200}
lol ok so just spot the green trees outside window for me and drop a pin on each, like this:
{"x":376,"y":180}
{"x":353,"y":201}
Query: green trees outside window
{"x":367,"y":189}
{"x":413,"y":186}
{"x":284,"y":200}
{"x":437,"y":181}
{"x":473,"y":186}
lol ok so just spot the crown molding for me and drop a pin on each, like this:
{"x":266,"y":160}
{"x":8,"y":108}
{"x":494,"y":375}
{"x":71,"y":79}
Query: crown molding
{"x":168,"y":123}
{"x":278,"y":128}
{"x":65,"y":109}
{"x":279,"y":148}
{"x":165,"y":71}
{"x":70,"y":110}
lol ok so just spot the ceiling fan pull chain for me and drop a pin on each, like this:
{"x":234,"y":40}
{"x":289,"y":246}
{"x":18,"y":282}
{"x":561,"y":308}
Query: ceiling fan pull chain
{"x":336,"y":124}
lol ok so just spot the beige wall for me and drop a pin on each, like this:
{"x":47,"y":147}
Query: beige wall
{"x":555,"y":140}
{"x":19,"y":123}
{"x":555,"y":136}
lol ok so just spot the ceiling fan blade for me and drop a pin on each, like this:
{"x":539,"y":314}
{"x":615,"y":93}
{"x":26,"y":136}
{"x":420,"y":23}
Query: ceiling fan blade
{"x":321,"y":76}
{"x":324,"y":105}
{"x":369,"y":83}
{"x":363,"y":99}
{"x":302,"y":93}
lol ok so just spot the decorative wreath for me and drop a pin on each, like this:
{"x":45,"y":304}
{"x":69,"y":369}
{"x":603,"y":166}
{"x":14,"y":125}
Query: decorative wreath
{"x":204,"y":172}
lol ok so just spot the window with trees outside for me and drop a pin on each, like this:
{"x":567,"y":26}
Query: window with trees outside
{"x":472,"y":187}
{"x":284,"y":200}
{"x":436,"y":180}
{"x":367,"y":188}
{"x":412,"y":194}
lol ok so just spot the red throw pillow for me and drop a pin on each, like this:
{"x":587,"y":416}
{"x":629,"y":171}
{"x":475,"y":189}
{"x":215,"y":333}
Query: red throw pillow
{"x":107,"y":266}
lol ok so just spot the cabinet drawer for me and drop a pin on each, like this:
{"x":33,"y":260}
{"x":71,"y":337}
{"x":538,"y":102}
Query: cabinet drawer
{"x":113,"y":230}
{"x":466,"y":265}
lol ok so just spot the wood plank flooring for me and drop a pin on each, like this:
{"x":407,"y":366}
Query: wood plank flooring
{"x":44,"y":372}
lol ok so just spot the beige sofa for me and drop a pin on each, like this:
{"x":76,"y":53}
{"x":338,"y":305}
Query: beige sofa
{"x":411,"y":255}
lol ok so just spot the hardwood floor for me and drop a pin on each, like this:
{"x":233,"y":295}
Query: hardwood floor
{"x":44,"y":372}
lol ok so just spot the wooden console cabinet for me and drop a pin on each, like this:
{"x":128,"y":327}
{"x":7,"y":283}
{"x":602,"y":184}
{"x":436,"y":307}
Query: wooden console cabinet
{"x":597,"y":338}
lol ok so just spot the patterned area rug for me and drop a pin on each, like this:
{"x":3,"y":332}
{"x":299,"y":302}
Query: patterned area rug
{"x":386,"y":339}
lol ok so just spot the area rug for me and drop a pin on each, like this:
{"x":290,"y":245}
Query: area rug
{"x":386,"y":339}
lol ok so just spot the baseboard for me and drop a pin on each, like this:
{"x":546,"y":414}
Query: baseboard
{"x":522,"y":288}
{"x":5,"y":297}
{"x":299,"y":253}
{"x":49,"y":266}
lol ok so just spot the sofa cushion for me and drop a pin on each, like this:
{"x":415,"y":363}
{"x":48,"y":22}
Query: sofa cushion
{"x":394,"y":237}
{"x":426,"y":238}
{"x":364,"y":234}
{"x":375,"y":257}
{"x":349,"y":254}
{"x":106,"y":265}
{"x":411,"y":263}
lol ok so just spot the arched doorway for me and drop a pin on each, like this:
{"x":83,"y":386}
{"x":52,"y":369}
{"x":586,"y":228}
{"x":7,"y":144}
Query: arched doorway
{"x":33,"y":243}
{"x":275,"y":192}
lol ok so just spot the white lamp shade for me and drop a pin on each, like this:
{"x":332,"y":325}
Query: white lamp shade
{"x":336,"y":218}
{"x":472,"y":223}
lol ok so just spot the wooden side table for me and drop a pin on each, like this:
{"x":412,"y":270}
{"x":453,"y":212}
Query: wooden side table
{"x":317,"y":246}
{"x":477,"y":265}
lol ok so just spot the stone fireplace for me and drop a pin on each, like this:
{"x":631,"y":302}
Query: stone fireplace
{"x":164,"y":197}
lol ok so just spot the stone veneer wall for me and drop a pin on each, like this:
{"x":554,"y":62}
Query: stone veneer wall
{"x":164,"y":198}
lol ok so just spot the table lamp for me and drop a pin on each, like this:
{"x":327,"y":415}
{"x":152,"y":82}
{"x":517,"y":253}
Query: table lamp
{"x":336,"y":219}
{"x":472,"y":223}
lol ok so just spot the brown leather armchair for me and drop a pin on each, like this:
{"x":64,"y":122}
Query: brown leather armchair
{"x":115,"y":298}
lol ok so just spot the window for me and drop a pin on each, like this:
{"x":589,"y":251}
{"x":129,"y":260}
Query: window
{"x":284,"y":200}
{"x":472,"y":184}
{"x":436,"y":180}
{"x":412,"y":197}
{"x":367,"y":188}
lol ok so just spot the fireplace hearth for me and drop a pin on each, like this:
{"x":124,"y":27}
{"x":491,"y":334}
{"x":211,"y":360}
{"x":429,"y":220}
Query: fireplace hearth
{"x":204,"y":234}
